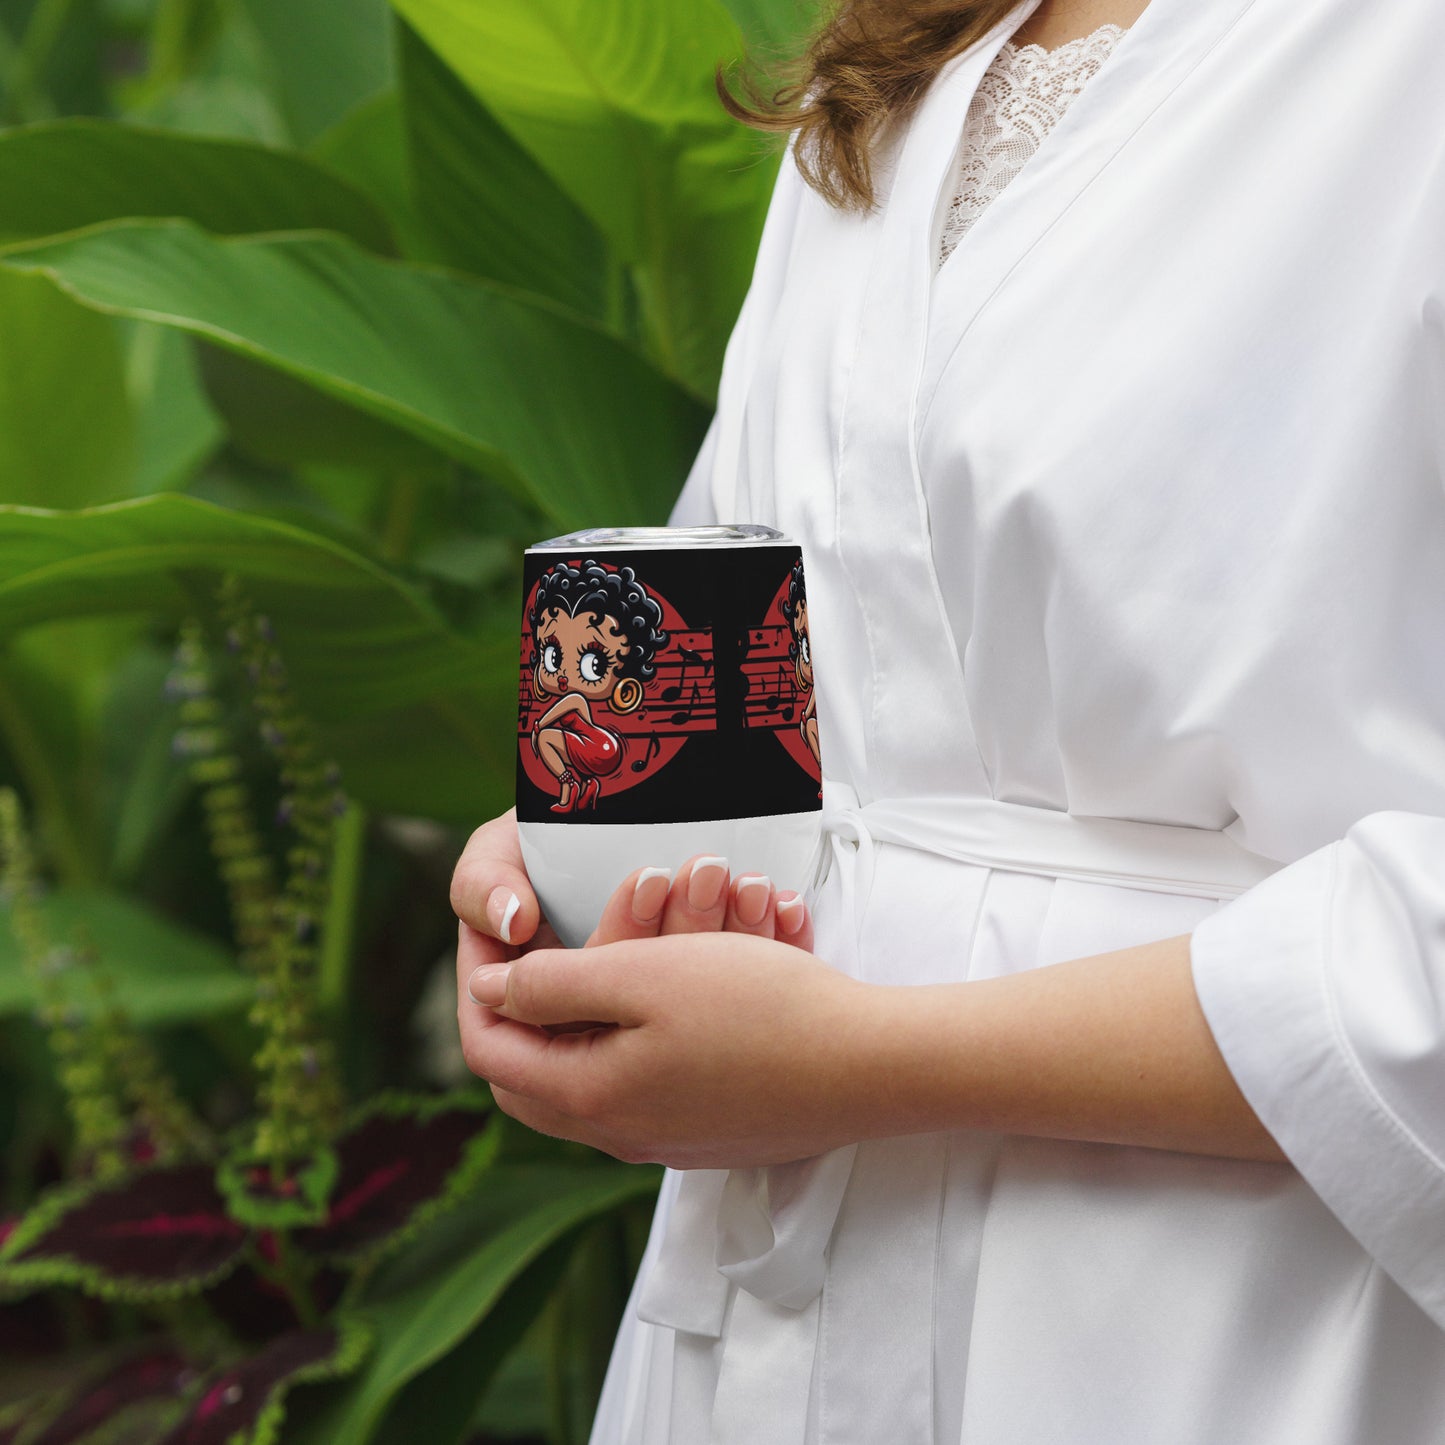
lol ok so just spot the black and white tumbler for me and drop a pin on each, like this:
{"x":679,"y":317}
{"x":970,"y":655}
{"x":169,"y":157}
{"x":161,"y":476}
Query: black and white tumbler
{"x":665,"y":709}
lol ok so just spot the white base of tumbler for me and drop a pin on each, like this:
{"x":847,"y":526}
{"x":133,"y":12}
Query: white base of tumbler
{"x":575,"y":868}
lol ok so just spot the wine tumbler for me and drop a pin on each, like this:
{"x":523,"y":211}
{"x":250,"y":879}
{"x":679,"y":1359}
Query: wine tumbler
{"x":665,"y":709}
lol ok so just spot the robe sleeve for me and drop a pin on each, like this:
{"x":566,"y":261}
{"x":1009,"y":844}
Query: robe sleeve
{"x":1324,"y":987}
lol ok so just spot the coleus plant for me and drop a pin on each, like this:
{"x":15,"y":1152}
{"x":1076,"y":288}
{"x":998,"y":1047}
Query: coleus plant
{"x":241,"y":1254}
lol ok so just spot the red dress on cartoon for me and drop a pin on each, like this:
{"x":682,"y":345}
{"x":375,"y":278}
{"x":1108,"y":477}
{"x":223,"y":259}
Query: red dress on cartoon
{"x":593,"y":750}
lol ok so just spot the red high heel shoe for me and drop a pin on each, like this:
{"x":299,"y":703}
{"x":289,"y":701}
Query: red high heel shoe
{"x":591,"y":791}
{"x":569,"y":779}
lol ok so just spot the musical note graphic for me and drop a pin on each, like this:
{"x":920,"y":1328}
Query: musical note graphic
{"x":690,"y":659}
{"x":654,"y":746}
{"x":684,"y":715}
{"x":774,"y":701}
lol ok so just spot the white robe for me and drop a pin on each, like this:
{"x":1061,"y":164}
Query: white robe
{"x":1134,"y":511}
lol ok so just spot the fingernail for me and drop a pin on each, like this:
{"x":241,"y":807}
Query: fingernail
{"x":650,"y":893}
{"x":502,"y":908}
{"x":488,"y":984}
{"x":705,"y":885}
{"x":752,"y":899}
{"x":791,"y":913}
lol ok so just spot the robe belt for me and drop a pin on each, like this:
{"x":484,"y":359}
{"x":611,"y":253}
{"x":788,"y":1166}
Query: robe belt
{"x":767,"y":1230}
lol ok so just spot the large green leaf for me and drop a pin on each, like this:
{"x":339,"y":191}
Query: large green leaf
{"x":326,"y":55}
{"x":162,"y":973}
{"x":775,"y":29}
{"x":66,"y":429}
{"x":74,"y":173}
{"x":209,"y":74}
{"x":432,"y":1298}
{"x":617,"y":103}
{"x":493,"y":210}
{"x":368,"y":147}
{"x":551,"y":406}
{"x":176,"y":426}
{"x":448,"y":1393}
{"x":420,"y":719}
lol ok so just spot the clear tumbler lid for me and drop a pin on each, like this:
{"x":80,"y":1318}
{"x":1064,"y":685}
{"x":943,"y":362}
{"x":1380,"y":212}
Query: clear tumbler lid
{"x":737,"y":534}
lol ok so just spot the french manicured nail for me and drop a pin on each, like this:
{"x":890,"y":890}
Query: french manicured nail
{"x":502,"y":908}
{"x":752,"y":899}
{"x":488,"y":984}
{"x":705,"y":885}
{"x":649,"y":893}
{"x":791,"y":912}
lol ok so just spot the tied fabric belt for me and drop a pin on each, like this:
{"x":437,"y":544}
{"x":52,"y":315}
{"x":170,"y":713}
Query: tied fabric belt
{"x":767,"y":1230}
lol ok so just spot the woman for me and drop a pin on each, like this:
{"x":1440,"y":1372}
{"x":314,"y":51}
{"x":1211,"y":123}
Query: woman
{"x":1116,"y":1117}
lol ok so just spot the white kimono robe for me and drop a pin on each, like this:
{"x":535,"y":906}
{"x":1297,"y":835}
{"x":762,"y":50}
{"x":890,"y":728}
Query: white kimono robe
{"x":1134,"y":511}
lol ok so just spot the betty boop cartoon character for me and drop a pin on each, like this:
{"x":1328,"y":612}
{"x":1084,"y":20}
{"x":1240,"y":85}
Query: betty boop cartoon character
{"x":795,"y":609}
{"x":596,"y":633}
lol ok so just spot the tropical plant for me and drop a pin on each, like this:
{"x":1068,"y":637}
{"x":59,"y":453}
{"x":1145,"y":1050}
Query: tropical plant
{"x":312,"y":314}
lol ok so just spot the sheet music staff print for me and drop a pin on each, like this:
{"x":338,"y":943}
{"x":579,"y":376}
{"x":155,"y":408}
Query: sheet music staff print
{"x":772,"y":696}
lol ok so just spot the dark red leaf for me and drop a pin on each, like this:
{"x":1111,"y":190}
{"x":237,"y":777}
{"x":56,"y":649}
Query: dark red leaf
{"x":160,"y":1374}
{"x":164,"y":1230}
{"x":393,"y":1164}
{"x":233,"y":1401}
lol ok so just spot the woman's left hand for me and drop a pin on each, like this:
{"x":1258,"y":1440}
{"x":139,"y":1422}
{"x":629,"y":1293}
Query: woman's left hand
{"x":711,"y":1050}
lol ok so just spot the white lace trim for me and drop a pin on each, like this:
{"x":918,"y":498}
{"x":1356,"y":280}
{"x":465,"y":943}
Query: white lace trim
{"x":1020,"y":99}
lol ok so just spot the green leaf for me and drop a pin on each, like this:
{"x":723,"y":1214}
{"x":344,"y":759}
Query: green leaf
{"x":429,"y":1299}
{"x":494,"y":211}
{"x":556,"y":409}
{"x":448,"y":1393}
{"x":163,"y":973}
{"x":775,"y":28}
{"x":617,"y":103}
{"x":78,"y":172}
{"x":326,"y":55}
{"x":275,"y":418}
{"x":55,"y":684}
{"x":368,"y":148}
{"x":420,"y":719}
{"x":177,"y":428}
{"x":66,"y":429}
{"x":209,"y":75}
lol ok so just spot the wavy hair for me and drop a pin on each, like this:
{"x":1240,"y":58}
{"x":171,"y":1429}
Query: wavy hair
{"x":606,"y":592}
{"x":865,"y":68}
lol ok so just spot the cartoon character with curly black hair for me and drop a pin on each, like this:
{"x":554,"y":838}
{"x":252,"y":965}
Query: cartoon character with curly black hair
{"x":795,"y":609}
{"x":596,"y":634}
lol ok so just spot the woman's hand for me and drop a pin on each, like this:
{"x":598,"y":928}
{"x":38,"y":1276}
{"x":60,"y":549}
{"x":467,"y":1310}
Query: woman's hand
{"x":707,"y":1049}
{"x":500,"y":920}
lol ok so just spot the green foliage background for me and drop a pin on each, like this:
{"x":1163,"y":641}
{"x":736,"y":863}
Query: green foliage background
{"x":351,"y":301}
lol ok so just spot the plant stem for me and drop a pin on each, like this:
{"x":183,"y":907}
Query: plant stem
{"x":400,"y":523}
{"x":338,"y":928}
{"x":288,"y":1276}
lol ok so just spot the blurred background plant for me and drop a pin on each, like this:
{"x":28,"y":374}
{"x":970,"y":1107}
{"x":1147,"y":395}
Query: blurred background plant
{"x":313,"y":313}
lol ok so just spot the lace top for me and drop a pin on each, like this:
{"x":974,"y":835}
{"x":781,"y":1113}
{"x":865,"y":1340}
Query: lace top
{"x":1020,"y":99}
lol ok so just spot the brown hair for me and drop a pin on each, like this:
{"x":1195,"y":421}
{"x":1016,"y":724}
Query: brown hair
{"x":866,"y":67}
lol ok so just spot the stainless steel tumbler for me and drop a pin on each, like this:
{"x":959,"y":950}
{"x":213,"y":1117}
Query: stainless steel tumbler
{"x":665,"y":708}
